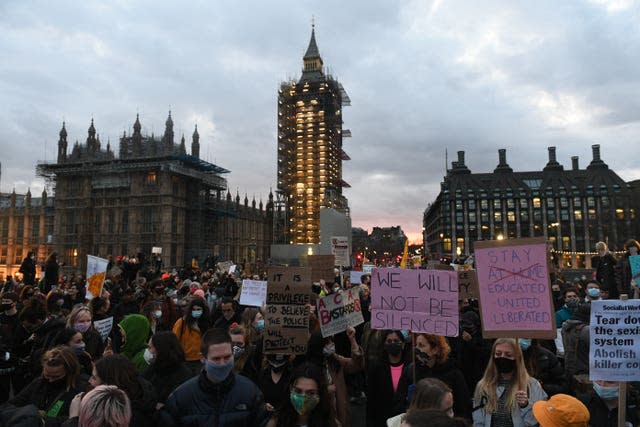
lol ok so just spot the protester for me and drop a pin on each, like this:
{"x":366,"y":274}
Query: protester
{"x":80,"y":319}
{"x":9,"y":324}
{"x":605,"y":264}
{"x":28,"y":269}
{"x":473,"y":352}
{"x":253,"y":322}
{"x":229,"y":314}
{"x":71,"y":338}
{"x":119,"y":371}
{"x":134,"y":329}
{"x":51,"y":269}
{"x":104,"y":406}
{"x":506,"y":393}
{"x":575,"y":338}
{"x":561,"y":410}
{"x":602,"y":401}
{"x":571,"y":302}
{"x":216,"y":397}
{"x":322,"y":353}
{"x":384,"y":398}
{"x":243,"y":353}
{"x":432,"y":361}
{"x":308,"y":404}
{"x":274,"y":380}
{"x":430,"y":393}
{"x":167,"y":368}
{"x":53,"y":391}
{"x":593,"y":291}
{"x":544,"y":366}
{"x":627,"y":284}
{"x":189,"y":330}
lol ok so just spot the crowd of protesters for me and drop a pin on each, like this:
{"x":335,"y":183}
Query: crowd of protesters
{"x":182,"y":351}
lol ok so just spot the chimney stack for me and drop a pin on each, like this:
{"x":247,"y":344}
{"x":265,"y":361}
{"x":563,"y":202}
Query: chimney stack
{"x":595,"y":149}
{"x":574,"y":163}
{"x":552,"y":155}
{"x":460,"y":158}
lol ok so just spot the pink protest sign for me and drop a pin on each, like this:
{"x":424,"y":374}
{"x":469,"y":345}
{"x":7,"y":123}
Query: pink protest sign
{"x":515,"y":293}
{"x":416,"y":300}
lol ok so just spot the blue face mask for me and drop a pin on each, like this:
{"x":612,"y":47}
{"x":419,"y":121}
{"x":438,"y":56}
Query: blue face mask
{"x":525,"y":343}
{"x":218,"y":373}
{"x":196,"y":314}
{"x":605,"y":393}
{"x":593,"y":292}
{"x":260,"y":325}
{"x":405,"y":334}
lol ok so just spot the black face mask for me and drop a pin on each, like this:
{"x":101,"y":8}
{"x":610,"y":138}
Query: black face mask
{"x":504,"y":365}
{"x":393,"y":348}
{"x":421,"y":357}
{"x":5,"y":307}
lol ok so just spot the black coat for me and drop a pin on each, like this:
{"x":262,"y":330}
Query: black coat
{"x":605,"y":273}
{"x":143,"y":405}
{"x":44,"y":396}
{"x":448,"y":374}
{"x":235,"y":402}
{"x":382,"y":402}
{"x":166,"y":379}
{"x":51,"y":269}
{"x":28,"y":270}
{"x":548,"y":370}
{"x":600,"y":415}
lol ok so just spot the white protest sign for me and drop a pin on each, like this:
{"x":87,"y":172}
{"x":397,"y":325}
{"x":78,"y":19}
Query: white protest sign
{"x":253,"y":293}
{"x":340,"y":249}
{"x":338,"y":311}
{"x":232,"y":269}
{"x":104,"y":327}
{"x":354,"y":277}
{"x":614,"y":348}
{"x":368,"y":268}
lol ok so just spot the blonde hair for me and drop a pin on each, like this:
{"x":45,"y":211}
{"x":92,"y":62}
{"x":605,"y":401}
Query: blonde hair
{"x":486,"y":388}
{"x":65,"y":357}
{"x":105,"y":405}
{"x":75,"y":311}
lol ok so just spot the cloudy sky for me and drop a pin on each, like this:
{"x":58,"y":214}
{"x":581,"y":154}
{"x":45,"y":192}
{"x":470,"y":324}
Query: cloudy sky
{"x":424,"y":78}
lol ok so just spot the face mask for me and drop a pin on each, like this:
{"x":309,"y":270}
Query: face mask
{"x":329,"y":350}
{"x":60,"y":302}
{"x":157,"y":314}
{"x":336,"y":290}
{"x":423,"y":358}
{"x":80,"y":347}
{"x":260,"y":325}
{"x":196,"y":314}
{"x":593,"y":292}
{"x":238,"y":350}
{"x":525,"y":343}
{"x":405,"y":335}
{"x":504,"y":365}
{"x":277,"y":366}
{"x":5,"y":307}
{"x":303,"y":404}
{"x":393,"y":348}
{"x":216,"y":372}
{"x":81,"y":327}
{"x":605,"y":393}
{"x":572,"y":302}
{"x":148,"y":356}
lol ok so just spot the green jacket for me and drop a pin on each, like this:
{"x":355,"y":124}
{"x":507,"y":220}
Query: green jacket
{"x":136,"y":335}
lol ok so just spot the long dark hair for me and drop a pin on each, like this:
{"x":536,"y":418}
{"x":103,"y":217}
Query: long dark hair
{"x":169,"y":352}
{"x":203,"y":322}
{"x":323,"y":414}
{"x":118,"y":370}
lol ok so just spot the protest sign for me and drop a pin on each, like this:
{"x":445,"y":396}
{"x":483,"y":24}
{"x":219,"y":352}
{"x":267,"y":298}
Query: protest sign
{"x":355,"y":276}
{"x":253,"y":293}
{"x":287,"y":313}
{"x":96,"y":273}
{"x":224,"y":266}
{"x":467,"y":284}
{"x":340,"y":249}
{"x":232,"y":269}
{"x":338,"y":311}
{"x":321,"y":267}
{"x":418,"y":300}
{"x":514,"y":289}
{"x":368,"y":268}
{"x":103,"y":327}
{"x":614,"y":348}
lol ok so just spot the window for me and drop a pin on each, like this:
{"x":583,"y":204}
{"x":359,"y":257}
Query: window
{"x":35,"y":227}
{"x":577,"y":214}
{"x":536,"y":202}
{"x":577,"y":202}
{"x":3,"y":255}
{"x":124,"y":226}
{"x":111,"y":223}
{"x":524,"y":204}
{"x":497,"y":216}
{"x":97,"y":223}
{"x":18,"y":256}
{"x":511,"y":216}
{"x":152,"y":178}
{"x":20,"y":229}
{"x":619,"y":213}
{"x":497,"y":205}
{"x":550,"y":202}
{"x":484,"y":204}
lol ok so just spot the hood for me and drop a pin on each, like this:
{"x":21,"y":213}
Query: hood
{"x":136,"y":329}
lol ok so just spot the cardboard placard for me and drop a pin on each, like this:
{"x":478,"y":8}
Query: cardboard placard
{"x":253,"y":293}
{"x":514,"y":289}
{"x":614,"y":333}
{"x":467,"y":284}
{"x":340,"y":249}
{"x":103,"y":327}
{"x":336,"y":312}
{"x":321,"y":267}
{"x":287,"y":312}
{"x":423,"y":301}
{"x":224,"y":266}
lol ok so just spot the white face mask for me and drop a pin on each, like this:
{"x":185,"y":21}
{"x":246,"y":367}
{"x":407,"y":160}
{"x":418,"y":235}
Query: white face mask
{"x":148,"y":356}
{"x":157,"y":314}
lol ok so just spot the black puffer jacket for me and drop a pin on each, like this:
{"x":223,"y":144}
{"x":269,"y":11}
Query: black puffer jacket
{"x":143,"y":405}
{"x":544,"y":366}
{"x":235,"y":402}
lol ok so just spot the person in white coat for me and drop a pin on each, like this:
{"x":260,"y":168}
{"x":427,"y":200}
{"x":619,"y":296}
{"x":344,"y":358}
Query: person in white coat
{"x":505,"y":395}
